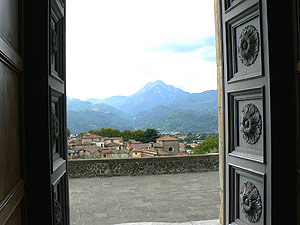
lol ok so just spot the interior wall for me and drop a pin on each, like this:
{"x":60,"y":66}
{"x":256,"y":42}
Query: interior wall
{"x":220,"y":101}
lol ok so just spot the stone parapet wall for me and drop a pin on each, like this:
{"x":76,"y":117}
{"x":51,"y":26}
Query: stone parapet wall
{"x":143,"y":166}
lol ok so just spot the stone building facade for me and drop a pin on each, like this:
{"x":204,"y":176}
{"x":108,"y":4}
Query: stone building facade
{"x":169,"y":144}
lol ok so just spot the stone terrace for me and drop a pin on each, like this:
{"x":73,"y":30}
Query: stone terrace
{"x":168,"y":198}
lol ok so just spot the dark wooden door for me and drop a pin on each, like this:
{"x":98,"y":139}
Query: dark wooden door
{"x":11,"y":122}
{"x":246,"y":117}
{"x":57,"y":110}
{"x":45,"y":105}
{"x":259,"y":112}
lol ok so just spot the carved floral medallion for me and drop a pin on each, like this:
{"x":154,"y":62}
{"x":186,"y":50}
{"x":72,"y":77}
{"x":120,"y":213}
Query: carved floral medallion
{"x":251,"y":204}
{"x":251,"y":123}
{"x":248,"y":45}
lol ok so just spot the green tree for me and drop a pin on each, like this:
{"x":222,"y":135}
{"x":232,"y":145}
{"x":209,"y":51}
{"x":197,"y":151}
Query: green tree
{"x":68,"y":132}
{"x":127,"y":134}
{"x":107,"y":132}
{"x":82,"y":133}
{"x":149,"y":135}
{"x":191,"y":138}
{"x":96,"y":132}
{"x":138,"y":135}
{"x":210,"y":145}
{"x":188,"y":147}
{"x":203,"y":136}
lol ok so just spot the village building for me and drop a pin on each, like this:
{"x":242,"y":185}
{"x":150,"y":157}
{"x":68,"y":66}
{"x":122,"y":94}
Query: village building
{"x":92,"y":138}
{"x":116,"y":140}
{"x":169,"y":144}
{"x":164,"y":146}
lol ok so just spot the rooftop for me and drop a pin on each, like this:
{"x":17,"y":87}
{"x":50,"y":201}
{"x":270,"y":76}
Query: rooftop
{"x":113,"y":138}
{"x":167,"y":138}
{"x":169,"y":198}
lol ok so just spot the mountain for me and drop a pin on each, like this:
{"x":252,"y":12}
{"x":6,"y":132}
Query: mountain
{"x":83,"y":121}
{"x":84,"y":116}
{"x":195,"y":113}
{"x":151,"y":95}
{"x":206,"y":101}
{"x":114,"y":101}
{"x":156,"y":105}
{"x":93,"y":100}
{"x":183,"y":121}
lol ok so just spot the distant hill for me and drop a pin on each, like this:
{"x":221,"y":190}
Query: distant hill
{"x":151,"y":95}
{"x":114,"y":101}
{"x":93,"y":100}
{"x":183,"y":121}
{"x":83,"y":121}
{"x":206,"y":102}
{"x":195,"y":113}
{"x":84,"y":116}
{"x":156,"y":105}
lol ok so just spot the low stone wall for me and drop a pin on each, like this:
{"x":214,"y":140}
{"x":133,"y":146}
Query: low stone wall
{"x":143,"y":166}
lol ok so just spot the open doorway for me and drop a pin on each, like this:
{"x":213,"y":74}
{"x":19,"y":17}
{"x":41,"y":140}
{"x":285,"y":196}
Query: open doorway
{"x":142,"y":82}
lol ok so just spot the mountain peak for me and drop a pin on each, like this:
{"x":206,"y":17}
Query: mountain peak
{"x":158,"y":82}
{"x":153,"y":84}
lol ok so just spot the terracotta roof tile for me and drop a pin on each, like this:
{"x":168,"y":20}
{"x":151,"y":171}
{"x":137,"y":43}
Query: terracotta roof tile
{"x":112,"y":145}
{"x":113,"y":138}
{"x":167,"y":138}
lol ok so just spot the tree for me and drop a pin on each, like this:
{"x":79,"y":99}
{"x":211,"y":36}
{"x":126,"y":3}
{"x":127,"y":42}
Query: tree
{"x":106,"y":132}
{"x":210,"y":145}
{"x":149,"y":135}
{"x":127,"y":134}
{"x":68,"y":132}
{"x":203,"y":136}
{"x":82,"y":133}
{"x":138,"y":135}
{"x":188,"y":147}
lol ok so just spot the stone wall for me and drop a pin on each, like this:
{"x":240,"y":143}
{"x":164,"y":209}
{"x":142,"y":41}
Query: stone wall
{"x":143,"y":166}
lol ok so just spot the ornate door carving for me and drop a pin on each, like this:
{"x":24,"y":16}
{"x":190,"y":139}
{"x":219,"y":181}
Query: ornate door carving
{"x":57,"y":110}
{"x":246,"y":114}
{"x":260,"y":87}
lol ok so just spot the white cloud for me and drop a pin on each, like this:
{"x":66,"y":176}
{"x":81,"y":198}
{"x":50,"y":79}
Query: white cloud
{"x":114,"y":47}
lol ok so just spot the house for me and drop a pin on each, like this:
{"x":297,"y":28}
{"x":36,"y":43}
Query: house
{"x":169,"y":144}
{"x":106,"y":153}
{"x":136,"y":153}
{"x":116,"y":140}
{"x":92,"y":138}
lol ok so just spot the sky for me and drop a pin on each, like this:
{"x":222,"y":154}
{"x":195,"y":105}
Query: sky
{"x":115,"y":47}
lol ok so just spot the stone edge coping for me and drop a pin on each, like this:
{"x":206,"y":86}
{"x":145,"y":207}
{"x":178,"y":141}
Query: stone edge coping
{"x":142,"y":166}
{"x":204,"y":222}
{"x":112,"y":160}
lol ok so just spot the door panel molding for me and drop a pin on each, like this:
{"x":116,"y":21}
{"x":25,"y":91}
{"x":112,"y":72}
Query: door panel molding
{"x":9,"y":56}
{"x":11,"y":201}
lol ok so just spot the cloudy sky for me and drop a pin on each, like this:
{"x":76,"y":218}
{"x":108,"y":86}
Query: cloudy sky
{"x":115,"y":47}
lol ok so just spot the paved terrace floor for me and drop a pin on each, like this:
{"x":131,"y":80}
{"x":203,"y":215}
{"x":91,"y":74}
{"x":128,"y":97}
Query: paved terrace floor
{"x":169,"y":198}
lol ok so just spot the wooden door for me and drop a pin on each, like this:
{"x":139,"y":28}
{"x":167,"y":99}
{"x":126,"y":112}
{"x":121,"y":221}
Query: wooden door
{"x":11,"y":122}
{"x":259,"y":112}
{"x":57,"y":111}
{"x":46,"y":177}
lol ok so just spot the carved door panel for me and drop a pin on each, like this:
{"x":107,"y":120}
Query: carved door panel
{"x":11,"y":122}
{"x":57,"y":110}
{"x":246,"y":115}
